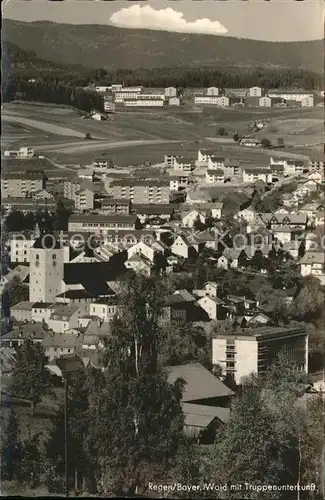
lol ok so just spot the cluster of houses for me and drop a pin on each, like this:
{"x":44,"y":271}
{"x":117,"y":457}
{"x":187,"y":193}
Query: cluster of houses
{"x":130,"y":223}
{"x":137,"y":96}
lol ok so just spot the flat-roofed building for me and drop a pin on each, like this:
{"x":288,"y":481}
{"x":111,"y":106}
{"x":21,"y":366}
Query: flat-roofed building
{"x":140,"y":191}
{"x":254,"y":350}
{"x":97,"y":223}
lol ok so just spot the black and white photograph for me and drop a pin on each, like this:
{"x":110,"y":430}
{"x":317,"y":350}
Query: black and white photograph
{"x":163,"y":249}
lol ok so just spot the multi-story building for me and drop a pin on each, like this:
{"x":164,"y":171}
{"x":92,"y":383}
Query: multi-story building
{"x":125,"y":94}
{"x":81,"y":192}
{"x":104,"y":309}
{"x":221,"y":101}
{"x":216,"y":162}
{"x":182,"y":164}
{"x":27,"y":205}
{"x":204,"y":155}
{"x":46,"y":269}
{"x":253,"y":351}
{"x":290,"y":96}
{"x":140,"y":191}
{"x":255,"y":92}
{"x":118,"y":206}
{"x":215,"y":176}
{"x":23,"y":153}
{"x":253,"y":174}
{"x":102,"y":165}
{"x":179,"y":180}
{"x":170,"y":92}
{"x":22,"y":184}
{"x":170,"y":160}
{"x":144,"y":102}
{"x":97,"y":224}
{"x":265,"y":102}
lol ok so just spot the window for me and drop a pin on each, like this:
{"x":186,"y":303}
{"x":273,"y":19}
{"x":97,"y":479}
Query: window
{"x":54,"y":256}
{"x":37,"y":256}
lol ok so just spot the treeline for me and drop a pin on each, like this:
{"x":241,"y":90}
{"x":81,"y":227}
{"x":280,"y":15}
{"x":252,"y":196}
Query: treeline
{"x":54,"y":92}
{"x":20,"y":66}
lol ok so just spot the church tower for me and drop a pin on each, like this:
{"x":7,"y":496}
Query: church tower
{"x":46,"y":265}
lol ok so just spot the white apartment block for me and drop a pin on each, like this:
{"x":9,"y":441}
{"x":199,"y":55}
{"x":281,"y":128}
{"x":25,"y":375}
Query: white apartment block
{"x":255,"y":92}
{"x":290,"y":96}
{"x":251,"y":174}
{"x":216,"y":163}
{"x":213,"y":91}
{"x":182,"y":164}
{"x":139,"y":192}
{"x":254,"y":350}
{"x":20,"y":248}
{"x":221,"y":101}
{"x":21,"y":185}
{"x":170,"y":92}
{"x":144,"y":103}
{"x":215,"y":176}
{"x":265,"y":102}
{"x":22,"y":153}
{"x":84,"y":200}
{"x":179,"y":181}
{"x":204,"y":155}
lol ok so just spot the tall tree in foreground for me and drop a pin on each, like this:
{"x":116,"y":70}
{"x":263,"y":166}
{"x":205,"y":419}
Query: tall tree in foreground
{"x":30,"y":377}
{"x":137,"y":421}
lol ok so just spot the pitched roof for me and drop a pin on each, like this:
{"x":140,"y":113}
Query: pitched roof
{"x":200,"y":383}
{"x":202,"y":416}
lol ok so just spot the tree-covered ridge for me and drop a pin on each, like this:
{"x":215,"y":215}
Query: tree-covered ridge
{"x":112,"y":48}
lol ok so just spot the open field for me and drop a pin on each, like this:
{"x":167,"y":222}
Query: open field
{"x":132,"y":137}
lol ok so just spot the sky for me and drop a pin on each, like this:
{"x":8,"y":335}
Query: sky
{"x":273,"y":20}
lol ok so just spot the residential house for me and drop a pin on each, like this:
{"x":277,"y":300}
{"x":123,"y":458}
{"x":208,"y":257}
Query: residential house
{"x":178,"y":306}
{"x":198,"y":196}
{"x":22,"y":312}
{"x":213,"y":306}
{"x":255,"y":349}
{"x":229,"y":258}
{"x":64,"y":317}
{"x":215,"y":176}
{"x":104,"y":309}
{"x":139,"y":264}
{"x":248,"y":215}
{"x":182,"y":247}
{"x":190,"y":219}
{"x":182,"y":164}
{"x":313,"y":264}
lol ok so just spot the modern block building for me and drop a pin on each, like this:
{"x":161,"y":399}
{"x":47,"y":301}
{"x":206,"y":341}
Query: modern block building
{"x":22,"y":184}
{"x":253,"y":351}
{"x":140,"y":191}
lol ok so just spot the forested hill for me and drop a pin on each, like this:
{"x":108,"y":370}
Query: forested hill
{"x":111,"y":48}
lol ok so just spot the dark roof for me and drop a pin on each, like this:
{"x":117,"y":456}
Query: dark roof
{"x":76,"y":294}
{"x":103,"y":218}
{"x":93,"y":276}
{"x":47,"y":241}
{"x":115,"y":201}
{"x":153,"y":208}
{"x":43,"y":305}
{"x":215,"y":172}
{"x":26,"y":174}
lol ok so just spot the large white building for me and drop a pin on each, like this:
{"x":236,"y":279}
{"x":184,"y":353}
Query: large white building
{"x":22,"y":153}
{"x":46,"y":269}
{"x":220,"y":101}
{"x":144,"y":103}
{"x":255,"y":92}
{"x":253,"y":174}
{"x":98,"y":224}
{"x":252,"y":351}
{"x":265,"y":102}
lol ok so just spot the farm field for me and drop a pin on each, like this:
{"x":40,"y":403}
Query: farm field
{"x":132,"y":137}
